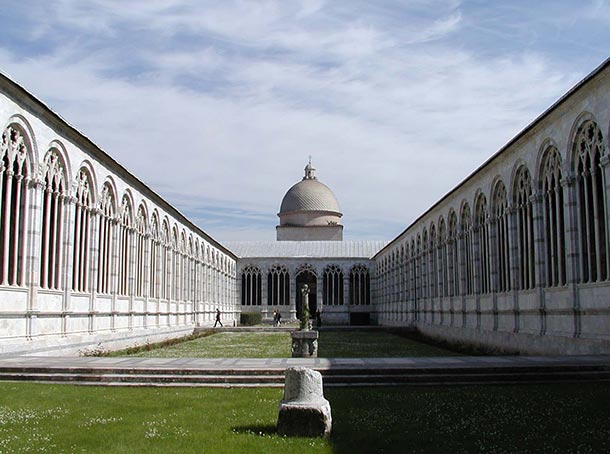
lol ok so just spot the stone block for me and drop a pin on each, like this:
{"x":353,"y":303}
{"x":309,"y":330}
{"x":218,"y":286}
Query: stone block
{"x":304,"y":412}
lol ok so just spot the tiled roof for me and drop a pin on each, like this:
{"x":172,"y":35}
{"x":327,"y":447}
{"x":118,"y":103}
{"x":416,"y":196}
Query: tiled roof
{"x":311,"y":249}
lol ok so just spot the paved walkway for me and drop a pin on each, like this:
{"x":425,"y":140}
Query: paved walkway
{"x":315,"y":363}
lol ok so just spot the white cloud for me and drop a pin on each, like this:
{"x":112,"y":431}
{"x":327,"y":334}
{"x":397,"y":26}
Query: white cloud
{"x":226,"y":115}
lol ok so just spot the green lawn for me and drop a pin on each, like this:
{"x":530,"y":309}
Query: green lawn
{"x":373,"y":344}
{"x":226,"y":345}
{"x":489,"y":419}
{"x":332,"y":344}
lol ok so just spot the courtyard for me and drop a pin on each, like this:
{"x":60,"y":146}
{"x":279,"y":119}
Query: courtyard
{"x":494,"y":419}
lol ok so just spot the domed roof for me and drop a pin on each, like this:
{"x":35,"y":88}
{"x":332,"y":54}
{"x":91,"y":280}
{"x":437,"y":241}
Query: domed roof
{"x":309,"y":195}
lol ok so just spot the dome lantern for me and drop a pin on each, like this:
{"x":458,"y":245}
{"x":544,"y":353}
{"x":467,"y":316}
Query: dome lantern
{"x":309,"y":211}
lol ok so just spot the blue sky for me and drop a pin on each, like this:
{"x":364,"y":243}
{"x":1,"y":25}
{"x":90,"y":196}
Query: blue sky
{"x":217,"y":105}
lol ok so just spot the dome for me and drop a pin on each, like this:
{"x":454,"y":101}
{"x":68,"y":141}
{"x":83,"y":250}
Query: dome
{"x":309,"y":195}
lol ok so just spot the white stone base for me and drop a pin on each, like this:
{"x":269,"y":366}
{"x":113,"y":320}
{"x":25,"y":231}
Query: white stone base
{"x":81,"y":344}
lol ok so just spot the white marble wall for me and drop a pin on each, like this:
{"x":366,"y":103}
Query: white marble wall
{"x":52,"y":320}
{"x":570,"y":317}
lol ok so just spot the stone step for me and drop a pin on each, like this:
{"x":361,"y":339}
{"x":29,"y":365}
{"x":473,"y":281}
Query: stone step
{"x":444,"y":377}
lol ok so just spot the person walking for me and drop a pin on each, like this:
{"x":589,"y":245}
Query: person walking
{"x":217,"y":318}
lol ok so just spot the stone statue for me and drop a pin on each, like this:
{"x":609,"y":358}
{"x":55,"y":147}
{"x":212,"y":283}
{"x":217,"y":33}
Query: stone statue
{"x":304,"y":316}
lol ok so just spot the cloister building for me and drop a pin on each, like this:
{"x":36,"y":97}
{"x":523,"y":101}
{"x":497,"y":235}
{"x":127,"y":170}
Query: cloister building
{"x":515,"y":257}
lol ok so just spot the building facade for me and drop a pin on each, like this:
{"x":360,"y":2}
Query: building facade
{"x":516,"y":256}
{"x":91,"y":258}
{"x":338,"y":274}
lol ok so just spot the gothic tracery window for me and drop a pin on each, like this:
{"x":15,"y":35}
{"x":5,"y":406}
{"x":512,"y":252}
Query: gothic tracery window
{"x":359,"y":286}
{"x":14,"y":180}
{"x":552,"y":207}
{"x":589,"y":148}
{"x":333,"y":285}
{"x":466,"y":251}
{"x":52,"y":221}
{"x":501,"y":244}
{"x":452,"y":240}
{"x":125,"y":247}
{"x":81,"y":237}
{"x":251,"y":286}
{"x":140,"y":252}
{"x":483,"y":256}
{"x":278,"y":286}
{"x":524,"y":229}
{"x":105,"y":239}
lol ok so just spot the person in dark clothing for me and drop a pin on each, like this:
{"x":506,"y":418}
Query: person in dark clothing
{"x":217,"y":318}
{"x":318,"y":318}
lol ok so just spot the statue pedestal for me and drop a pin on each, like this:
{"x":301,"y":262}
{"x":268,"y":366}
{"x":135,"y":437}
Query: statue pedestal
{"x":304,"y":344}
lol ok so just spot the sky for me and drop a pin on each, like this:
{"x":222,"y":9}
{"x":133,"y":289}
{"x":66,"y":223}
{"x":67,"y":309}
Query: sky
{"x":217,"y":105}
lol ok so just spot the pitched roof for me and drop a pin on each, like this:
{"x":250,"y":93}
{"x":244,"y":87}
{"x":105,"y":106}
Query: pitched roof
{"x":305,"y":249}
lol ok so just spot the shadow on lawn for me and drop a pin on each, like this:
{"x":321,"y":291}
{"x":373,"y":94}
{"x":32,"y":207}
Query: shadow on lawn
{"x":261,"y":430}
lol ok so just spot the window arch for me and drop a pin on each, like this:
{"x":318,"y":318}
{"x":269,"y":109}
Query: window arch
{"x":482,"y":259}
{"x":524,"y":228}
{"x":501,"y":244}
{"x":53,"y":213}
{"x":466,"y":251}
{"x":105,"y":238}
{"x":125,"y":243}
{"x":140,"y":252}
{"x":155,"y":257}
{"x":552,"y":207}
{"x":278,"y":286}
{"x":165,"y":261}
{"x":442,"y":257}
{"x":359,"y":286}
{"x":452,"y":240}
{"x":588,"y":150}
{"x":433,"y":260}
{"x":82,"y":226}
{"x":333,"y":285}
{"x":14,"y":178}
{"x":251,"y":286}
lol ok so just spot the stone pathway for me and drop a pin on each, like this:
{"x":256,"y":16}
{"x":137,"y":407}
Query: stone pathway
{"x":228,"y":372}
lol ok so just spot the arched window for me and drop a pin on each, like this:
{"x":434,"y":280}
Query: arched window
{"x":278,"y":286}
{"x":175,"y":294}
{"x":52,"y":221}
{"x":359,"y":286}
{"x":14,"y":180}
{"x":433,"y":263}
{"x":165,"y":262}
{"x":82,"y":226}
{"x":105,"y":239}
{"x":333,"y":285}
{"x":412,"y":273}
{"x":251,"y":289}
{"x":452,"y":240}
{"x":155,"y":257}
{"x":442,"y":258}
{"x":466,"y":251}
{"x":501,"y":245}
{"x":125,"y":243}
{"x":482,"y":259}
{"x":588,"y":150}
{"x":525,"y":228}
{"x":140,"y":253}
{"x":552,"y":207}
{"x":423,"y":263}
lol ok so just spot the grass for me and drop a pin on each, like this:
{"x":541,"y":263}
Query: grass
{"x":332,"y":344}
{"x":485,"y":419}
{"x":225,"y":345}
{"x":373,"y":344}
